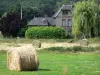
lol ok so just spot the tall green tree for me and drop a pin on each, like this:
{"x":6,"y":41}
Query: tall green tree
{"x":86,"y":16}
{"x":9,"y":24}
{"x":47,"y":7}
{"x":62,"y":2}
{"x":30,"y":13}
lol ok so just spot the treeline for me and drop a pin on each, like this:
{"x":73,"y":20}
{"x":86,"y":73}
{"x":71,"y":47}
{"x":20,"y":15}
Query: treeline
{"x":33,"y":8}
{"x":86,"y":19}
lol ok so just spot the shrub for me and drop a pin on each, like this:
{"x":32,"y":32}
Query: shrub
{"x":21,"y":32}
{"x":68,"y":34}
{"x":45,"y":32}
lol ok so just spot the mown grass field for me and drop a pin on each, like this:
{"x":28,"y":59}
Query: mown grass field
{"x":56,"y":60}
{"x":59,"y":64}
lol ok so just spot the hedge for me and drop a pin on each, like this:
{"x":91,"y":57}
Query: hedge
{"x":45,"y":32}
{"x":21,"y":32}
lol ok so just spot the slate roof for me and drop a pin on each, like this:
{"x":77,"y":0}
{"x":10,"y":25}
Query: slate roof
{"x":42,"y":21}
{"x":64,"y":7}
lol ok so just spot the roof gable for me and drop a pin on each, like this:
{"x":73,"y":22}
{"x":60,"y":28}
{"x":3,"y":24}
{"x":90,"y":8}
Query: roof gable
{"x":64,"y":7}
{"x":40,"y":21}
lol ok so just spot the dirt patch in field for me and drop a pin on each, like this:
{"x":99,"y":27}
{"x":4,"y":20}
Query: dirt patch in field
{"x":8,"y":46}
{"x":46,"y":45}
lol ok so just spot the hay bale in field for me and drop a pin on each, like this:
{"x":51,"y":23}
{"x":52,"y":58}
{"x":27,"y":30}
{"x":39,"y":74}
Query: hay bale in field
{"x":84,"y":42}
{"x":22,"y":59}
{"x":36,"y":44}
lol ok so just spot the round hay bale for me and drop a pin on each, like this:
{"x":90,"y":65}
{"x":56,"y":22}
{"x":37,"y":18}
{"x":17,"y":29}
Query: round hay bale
{"x":84,"y":42}
{"x":22,"y":59}
{"x":36,"y":44}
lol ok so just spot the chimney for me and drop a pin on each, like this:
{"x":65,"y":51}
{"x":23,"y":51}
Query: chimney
{"x":21,"y":13}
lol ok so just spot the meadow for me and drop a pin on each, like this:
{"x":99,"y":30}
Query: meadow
{"x":59,"y":64}
{"x":55,"y":62}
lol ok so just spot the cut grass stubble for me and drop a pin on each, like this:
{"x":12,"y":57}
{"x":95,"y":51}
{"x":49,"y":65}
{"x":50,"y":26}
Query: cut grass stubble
{"x":59,"y":64}
{"x":73,"y":49}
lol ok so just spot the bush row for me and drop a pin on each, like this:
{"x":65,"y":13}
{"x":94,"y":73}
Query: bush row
{"x":45,"y":32}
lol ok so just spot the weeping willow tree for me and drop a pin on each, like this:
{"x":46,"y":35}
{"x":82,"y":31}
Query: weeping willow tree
{"x":86,"y":17}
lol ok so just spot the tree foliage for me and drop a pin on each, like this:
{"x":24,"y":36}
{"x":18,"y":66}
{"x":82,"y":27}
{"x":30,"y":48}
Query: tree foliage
{"x":86,"y":19}
{"x":9,"y":24}
{"x":45,"y":7}
{"x":30,"y":13}
{"x":62,"y":2}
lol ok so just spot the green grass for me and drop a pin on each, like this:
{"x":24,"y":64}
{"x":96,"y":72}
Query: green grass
{"x":24,"y":40}
{"x":95,"y":40}
{"x":52,"y":63}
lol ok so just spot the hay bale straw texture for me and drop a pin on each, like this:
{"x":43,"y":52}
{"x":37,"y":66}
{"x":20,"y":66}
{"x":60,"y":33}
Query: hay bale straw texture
{"x":22,"y":59}
{"x":36,"y":44}
{"x":84,"y":42}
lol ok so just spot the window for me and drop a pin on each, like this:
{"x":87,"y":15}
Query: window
{"x":63,"y":22}
{"x":65,"y":12}
{"x":69,"y":22}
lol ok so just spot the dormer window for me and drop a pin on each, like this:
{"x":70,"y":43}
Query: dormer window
{"x":65,"y":12}
{"x":45,"y":22}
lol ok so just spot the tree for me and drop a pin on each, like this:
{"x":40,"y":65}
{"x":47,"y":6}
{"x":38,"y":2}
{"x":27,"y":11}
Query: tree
{"x":60,"y":3}
{"x":1,"y":11}
{"x":30,"y":13}
{"x":47,"y":7}
{"x":86,"y":16}
{"x":14,"y":8}
{"x":9,"y":24}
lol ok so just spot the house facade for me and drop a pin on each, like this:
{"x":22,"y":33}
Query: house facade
{"x":62,"y":18}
